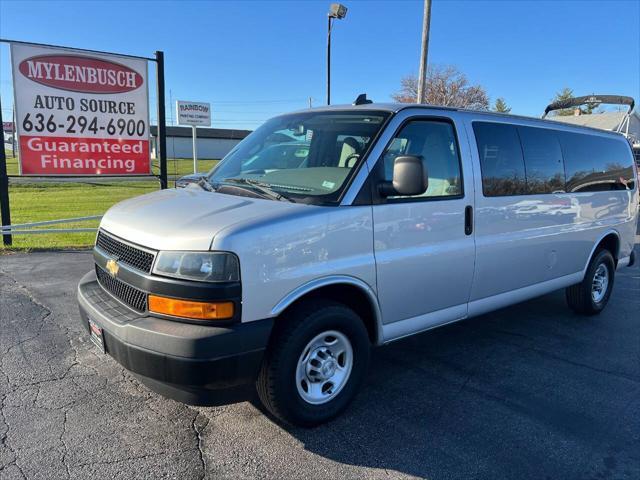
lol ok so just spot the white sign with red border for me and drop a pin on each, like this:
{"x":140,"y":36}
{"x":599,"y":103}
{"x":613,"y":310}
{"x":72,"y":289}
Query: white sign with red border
{"x":80,"y":113}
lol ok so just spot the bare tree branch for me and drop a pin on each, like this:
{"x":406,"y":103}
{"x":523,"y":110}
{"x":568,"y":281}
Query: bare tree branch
{"x":446,"y":86}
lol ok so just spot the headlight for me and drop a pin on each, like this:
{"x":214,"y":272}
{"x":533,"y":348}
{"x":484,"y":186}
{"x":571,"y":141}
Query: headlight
{"x":201,"y":266}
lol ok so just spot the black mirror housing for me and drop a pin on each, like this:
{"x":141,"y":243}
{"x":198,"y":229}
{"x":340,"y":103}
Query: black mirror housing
{"x":409,"y":177}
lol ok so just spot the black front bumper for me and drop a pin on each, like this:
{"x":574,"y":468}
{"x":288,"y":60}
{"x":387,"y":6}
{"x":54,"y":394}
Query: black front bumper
{"x":191,"y":363}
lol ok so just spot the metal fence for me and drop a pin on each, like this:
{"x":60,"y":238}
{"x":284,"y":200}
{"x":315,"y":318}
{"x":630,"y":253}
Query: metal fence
{"x":30,"y":228}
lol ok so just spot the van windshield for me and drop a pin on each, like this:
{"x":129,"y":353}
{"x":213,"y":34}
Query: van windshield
{"x":306,"y":157}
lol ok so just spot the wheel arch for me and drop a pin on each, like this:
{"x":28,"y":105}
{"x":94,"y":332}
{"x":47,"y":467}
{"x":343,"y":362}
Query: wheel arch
{"x":609,"y":240}
{"x":351,"y":291}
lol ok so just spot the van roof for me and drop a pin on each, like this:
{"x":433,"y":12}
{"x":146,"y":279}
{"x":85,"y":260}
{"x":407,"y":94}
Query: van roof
{"x":396,"y":107}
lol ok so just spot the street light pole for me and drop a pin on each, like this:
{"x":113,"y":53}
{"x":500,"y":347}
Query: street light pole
{"x":337,"y":11}
{"x":422,"y":79}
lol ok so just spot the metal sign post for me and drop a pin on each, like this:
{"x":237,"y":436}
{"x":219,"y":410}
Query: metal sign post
{"x":162,"y":126}
{"x":5,"y":214}
{"x":13,"y":131}
{"x":194,"y":134}
{"x":193,"y":113}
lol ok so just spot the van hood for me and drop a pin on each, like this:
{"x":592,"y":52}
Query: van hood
{"x":186,"y":219}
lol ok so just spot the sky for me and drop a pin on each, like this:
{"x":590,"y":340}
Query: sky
{"x":255,"y":59}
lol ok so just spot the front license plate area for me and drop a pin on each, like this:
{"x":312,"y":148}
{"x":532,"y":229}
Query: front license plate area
{"x":95,"y":333}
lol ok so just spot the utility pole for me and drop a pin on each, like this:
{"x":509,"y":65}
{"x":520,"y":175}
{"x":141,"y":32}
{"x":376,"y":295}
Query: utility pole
{"x":171,"y":122}
{"x":422,"y":79}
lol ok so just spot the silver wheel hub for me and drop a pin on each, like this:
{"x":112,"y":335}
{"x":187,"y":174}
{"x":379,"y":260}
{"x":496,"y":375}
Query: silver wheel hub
{"x":600,"y":283}
{"x":324,"y":367}
{"x":321,"y":364}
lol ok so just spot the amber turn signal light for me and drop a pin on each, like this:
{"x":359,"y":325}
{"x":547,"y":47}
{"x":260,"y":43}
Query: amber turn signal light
{"x":190,"y":309}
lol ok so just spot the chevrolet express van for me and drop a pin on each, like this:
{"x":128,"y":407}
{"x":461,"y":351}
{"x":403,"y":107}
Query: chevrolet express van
{"x":384,"y":221}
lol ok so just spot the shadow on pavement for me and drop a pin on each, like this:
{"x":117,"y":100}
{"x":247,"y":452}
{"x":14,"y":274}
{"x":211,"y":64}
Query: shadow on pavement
{"x":532,"y":390}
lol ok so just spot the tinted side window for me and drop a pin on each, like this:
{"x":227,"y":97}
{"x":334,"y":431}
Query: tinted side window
{"x":542,"y":160}
{"x":501,"y":159}
{"x":595,"y":163}
{"x":435,"y":142}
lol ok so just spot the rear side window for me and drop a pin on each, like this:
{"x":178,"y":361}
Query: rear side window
{"x":542,"y":160}
{"x":501,"y":160}
{"x":518,"y":160}
{"x":595,"y":163}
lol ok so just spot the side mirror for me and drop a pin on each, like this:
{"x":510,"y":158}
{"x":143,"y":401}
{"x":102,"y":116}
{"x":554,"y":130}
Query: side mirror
{"x":409,"y":177}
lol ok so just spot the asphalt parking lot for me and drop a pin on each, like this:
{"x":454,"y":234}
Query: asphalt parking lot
{"x":531,"y":391}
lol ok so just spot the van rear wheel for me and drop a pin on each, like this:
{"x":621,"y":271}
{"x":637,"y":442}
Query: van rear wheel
{"x":590,"y":296}
{"x":315,"y":363}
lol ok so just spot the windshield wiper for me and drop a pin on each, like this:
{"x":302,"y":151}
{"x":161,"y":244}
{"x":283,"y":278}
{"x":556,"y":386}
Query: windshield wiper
{"x":261,"y":187}
{"x":205,"y":184}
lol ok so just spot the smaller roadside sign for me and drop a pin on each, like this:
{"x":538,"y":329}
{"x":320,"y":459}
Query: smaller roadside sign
{"x":196,"y":114}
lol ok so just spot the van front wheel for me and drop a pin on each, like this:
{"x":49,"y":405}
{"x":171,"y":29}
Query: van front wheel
{"x":590,"y":296}
{"x":315,"y":363}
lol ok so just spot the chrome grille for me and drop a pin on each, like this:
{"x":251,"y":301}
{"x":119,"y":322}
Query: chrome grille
{"x":131,"y":296}
{"x":125,"y":253}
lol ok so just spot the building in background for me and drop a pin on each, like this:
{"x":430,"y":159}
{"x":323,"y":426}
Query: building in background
{"x":7,"y":130}
{"x":213,"y":143}
{"x":606,"y":121}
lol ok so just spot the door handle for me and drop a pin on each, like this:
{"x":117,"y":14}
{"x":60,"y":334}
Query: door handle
{"x":468,"y":220}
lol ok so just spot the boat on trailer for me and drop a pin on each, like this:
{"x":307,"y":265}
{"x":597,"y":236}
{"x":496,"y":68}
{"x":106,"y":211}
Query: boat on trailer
{"x":625,"y":122}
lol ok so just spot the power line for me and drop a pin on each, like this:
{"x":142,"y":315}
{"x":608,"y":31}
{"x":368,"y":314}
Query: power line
{"x":244,"y":102}
{"x":246,"y":111}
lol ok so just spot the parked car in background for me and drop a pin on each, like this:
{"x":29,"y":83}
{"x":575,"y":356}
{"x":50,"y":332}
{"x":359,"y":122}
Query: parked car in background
{"x":332,"y":230}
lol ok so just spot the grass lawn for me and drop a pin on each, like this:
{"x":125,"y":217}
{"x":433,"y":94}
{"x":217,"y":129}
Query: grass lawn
{"x":176,"y":167}
{"x":34,"y":202}
{"x":12,"y":163}
{"x":51,"y":201}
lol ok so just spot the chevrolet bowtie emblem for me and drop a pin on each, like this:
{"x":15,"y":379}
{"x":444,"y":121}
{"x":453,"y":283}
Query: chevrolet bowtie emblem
{"x":113,"y":267}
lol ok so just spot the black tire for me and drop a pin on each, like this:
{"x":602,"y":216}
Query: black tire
{"x":277,"y":384}
{"x":579,"y":296}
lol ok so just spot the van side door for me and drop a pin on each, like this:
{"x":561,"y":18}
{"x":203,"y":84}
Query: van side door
{"x":525,"y":221}
{"x":545,"y":196}
{"x":423,"y":246}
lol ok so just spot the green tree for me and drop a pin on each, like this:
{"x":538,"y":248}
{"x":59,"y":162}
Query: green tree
{"x":565,"y":94}
{"x":501,"y":106}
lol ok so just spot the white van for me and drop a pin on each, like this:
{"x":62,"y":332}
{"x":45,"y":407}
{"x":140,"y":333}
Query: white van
{"x":283,"y":266}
